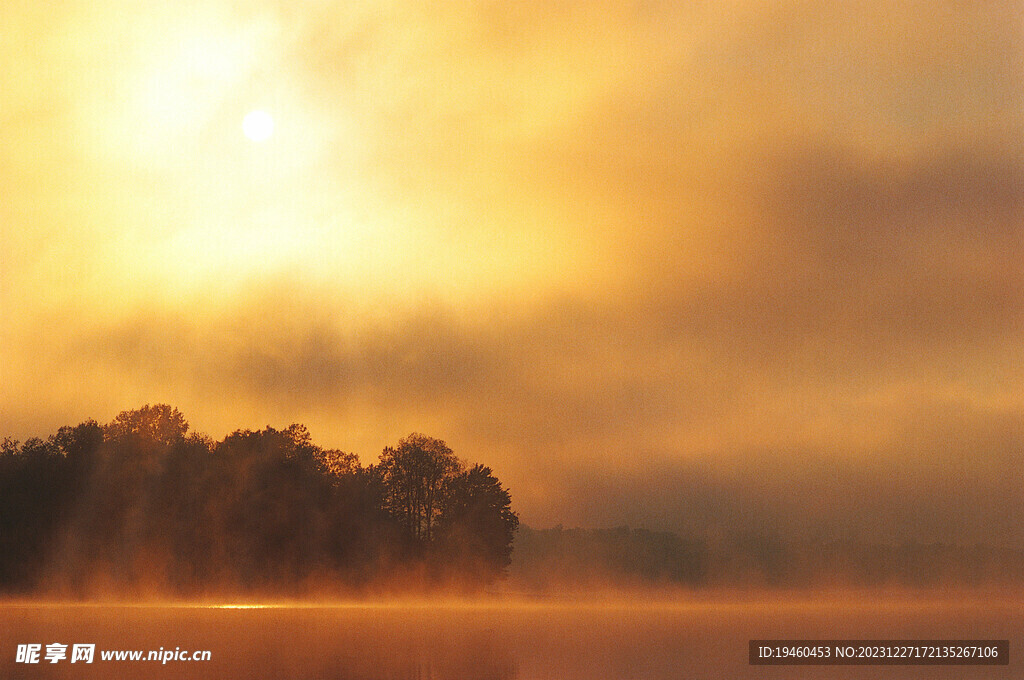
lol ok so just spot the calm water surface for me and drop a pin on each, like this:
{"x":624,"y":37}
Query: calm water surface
{"x":500,"y":641}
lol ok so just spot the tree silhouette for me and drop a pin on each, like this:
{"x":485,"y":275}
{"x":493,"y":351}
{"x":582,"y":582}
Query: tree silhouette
{"x":157,"y":424}
{"x":143,"y":504}
{"x":415,"y":475}
{"x":477,"y":525}
{"x":33,"y":499}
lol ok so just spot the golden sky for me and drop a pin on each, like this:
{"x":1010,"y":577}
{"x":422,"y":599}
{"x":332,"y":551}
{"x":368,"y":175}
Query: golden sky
{"x":731,"y":264}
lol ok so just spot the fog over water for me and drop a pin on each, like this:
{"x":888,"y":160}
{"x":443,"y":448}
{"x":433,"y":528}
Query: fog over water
{"x":649,"y":637}
{"x":723,"y":300}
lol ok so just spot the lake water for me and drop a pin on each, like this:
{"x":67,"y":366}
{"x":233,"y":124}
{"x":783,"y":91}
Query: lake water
{"x":494,"y":640}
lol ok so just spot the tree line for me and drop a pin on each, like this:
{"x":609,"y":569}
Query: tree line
{"x":142,"y":504}
{"x":560,"y":560}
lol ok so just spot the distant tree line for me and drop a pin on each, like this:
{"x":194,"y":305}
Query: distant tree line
{"x":560,"y":559}
{"x":143,"y":505}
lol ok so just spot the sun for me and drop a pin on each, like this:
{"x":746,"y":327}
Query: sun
{"x":258,"y":125}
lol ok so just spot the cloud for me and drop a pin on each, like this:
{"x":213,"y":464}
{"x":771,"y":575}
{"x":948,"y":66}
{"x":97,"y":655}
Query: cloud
{"x":732,"y":264}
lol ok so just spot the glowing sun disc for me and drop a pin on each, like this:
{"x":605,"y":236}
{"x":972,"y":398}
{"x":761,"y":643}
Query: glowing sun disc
{"x":258,"y":125}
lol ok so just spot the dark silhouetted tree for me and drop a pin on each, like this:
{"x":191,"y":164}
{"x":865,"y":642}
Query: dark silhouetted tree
{"x":141,"y":504}
{"x":477,"y":524}
{"x":34,"y":493}
{"x":415,"y":475}
{"x":157,"y":424}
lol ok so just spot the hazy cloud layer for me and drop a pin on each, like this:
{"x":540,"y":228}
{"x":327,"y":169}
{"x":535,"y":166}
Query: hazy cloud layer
{"x":733,"y":266}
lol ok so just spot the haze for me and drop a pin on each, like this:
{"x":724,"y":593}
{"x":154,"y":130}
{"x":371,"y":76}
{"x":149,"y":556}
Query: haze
{"x":676,"y":265}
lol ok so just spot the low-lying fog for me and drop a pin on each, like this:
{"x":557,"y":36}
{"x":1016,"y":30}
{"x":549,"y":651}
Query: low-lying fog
{"x":596,"y":636}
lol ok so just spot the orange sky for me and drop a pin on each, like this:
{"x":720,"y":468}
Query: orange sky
{"x":732,"y":264}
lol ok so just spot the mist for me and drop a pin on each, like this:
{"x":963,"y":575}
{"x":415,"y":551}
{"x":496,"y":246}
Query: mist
{"x":660,"y":265}
{"x":142,"y":509}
